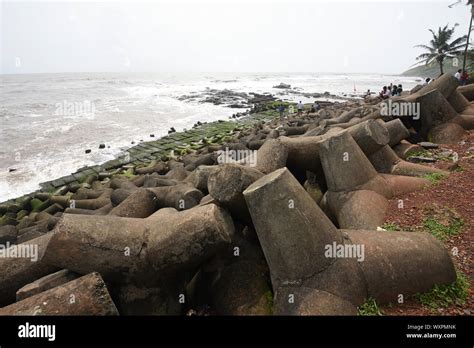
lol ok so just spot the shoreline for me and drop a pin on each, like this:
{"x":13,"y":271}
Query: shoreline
{"x":146,"y":151}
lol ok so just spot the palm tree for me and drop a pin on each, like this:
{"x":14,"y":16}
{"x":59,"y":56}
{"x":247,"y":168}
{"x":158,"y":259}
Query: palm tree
{"x":440,"y":47}
{"x":466,"y":54}
{"x":469,"y":2}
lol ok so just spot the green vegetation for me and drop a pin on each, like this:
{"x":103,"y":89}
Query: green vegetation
{"x":446,"y":295}
{"x":440,"y":230}
{"x":432,"y":70}
{"x":422,"y":153}
{"x":435,"y":178}
{"x":129,"y":173}
{"x":37,"y":205}
{"x":276,"y":103}
{"x":390,"y":226}
{"x":369,"y":308}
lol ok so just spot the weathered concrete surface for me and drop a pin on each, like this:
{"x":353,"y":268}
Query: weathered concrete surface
{"x":16,"y":272}
{"x":87,"y":295}
{"x":121,"y":248}
{"x":45,"y":283}
{"x":226,"y":185}
{"x":307,"y":280}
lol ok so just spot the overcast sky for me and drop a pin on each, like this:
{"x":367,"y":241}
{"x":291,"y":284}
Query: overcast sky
{"x":219,"y":36}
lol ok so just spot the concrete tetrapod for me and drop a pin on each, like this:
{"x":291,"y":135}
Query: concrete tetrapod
{"x":387,"y":161}
{"x":128,"y":248}
{"x":45,"y":283}
{"x":354,"y":185}
{"x":303,"y":152}
{"x":94,"y":203}
{"x":199,"y":176}
{"x":180,"y":197}
{"x":439,"y":107}
{"x":446,"y":84}
{"x":459,"y":102}
{"x":297,"y":239}
{"x":226,"y":185}
{"x":23,"y":268}
{"x":91,"y":297}
{"x":396,"y":130}
{"x":271,"y":156}
{"x":140,"y":204}
{"x":467,"y":91}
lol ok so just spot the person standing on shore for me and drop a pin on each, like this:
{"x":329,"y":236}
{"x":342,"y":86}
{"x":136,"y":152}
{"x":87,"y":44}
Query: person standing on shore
{"x":281,"y":110}
{"x":458,"y":75}
{"x":300,"y":108}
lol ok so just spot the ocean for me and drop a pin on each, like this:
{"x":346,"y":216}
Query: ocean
{"x":49,"y":120}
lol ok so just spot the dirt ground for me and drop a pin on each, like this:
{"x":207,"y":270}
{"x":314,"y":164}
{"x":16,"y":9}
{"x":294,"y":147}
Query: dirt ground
{"x":453,"y":196}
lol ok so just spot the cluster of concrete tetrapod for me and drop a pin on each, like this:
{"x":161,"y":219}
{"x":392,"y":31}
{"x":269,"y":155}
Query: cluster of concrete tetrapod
{"x":245,"y":237}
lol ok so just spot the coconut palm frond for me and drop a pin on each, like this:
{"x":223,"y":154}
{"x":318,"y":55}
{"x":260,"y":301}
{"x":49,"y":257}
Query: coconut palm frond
{"x":441,"y":46}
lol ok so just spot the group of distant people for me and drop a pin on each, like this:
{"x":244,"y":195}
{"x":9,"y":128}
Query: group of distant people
{"x":391,"y":91}
{"x":461,"y":75}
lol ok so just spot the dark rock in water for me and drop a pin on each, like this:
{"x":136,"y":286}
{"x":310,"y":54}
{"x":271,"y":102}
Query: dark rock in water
{"x":259,"y":98}
{"x":88,"y":151}
{"x":237,"y":106}
{"x":428,"y":145}
{"x":11,"y":170}
{"x":219,"y":97}
{"x":152,"y":135}
{"x":132,"y":142}
{"x":282,"y":85}
{"x":102,"y":146}
{"x":419,"y":159}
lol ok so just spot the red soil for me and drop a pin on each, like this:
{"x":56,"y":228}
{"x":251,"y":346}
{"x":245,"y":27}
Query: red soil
{"x":456,"y":193}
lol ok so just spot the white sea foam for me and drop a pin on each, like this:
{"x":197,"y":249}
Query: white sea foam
{"x":42,"y":145}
